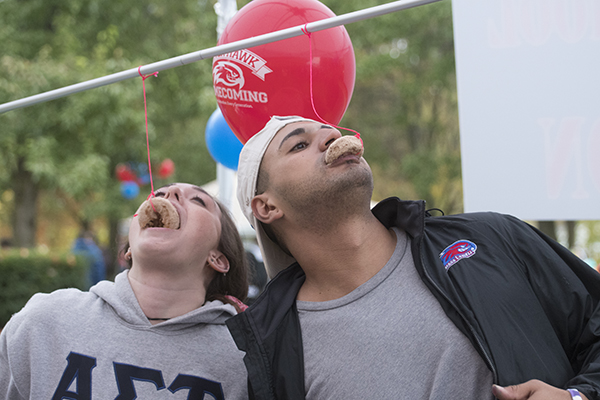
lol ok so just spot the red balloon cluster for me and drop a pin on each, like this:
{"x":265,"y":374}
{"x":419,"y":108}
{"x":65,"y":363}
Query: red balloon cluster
{"x":128,"y":172}
{"x":251,"y":85}
{"x":124,"y":173}
{"x":167,"y":168}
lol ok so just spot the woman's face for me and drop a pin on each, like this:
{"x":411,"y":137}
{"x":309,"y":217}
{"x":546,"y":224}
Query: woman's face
{"x":199,"y":229}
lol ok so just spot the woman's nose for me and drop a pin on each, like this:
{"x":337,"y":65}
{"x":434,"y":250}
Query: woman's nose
{"x":174,"y":192}
{"x":328,"y":137}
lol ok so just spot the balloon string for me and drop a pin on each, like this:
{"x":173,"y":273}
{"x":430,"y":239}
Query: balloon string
{"x":152,"y":204}
{"x":312,"y":101}
{"x":155,"y":74}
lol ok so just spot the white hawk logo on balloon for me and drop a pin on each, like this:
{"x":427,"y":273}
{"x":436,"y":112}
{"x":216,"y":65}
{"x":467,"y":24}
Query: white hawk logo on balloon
{"x":229,"y":74}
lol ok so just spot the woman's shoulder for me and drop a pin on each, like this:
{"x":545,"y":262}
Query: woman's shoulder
{"x":42,"y":306}
{"x":59,"y":295}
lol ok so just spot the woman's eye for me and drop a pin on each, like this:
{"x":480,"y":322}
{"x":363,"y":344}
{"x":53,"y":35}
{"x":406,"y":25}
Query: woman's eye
{"x":199,"y":200}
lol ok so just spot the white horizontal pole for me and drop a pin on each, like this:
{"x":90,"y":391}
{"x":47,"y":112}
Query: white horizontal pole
{"x":215,"y":51}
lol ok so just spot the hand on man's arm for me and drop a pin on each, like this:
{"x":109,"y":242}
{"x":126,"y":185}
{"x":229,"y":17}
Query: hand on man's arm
{"x":532,"y":390}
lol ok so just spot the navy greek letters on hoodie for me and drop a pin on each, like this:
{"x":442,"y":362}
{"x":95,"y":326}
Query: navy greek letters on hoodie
{"x":76,"y":381}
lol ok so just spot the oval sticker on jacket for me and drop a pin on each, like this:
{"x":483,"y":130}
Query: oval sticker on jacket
{"x":457,"y":251}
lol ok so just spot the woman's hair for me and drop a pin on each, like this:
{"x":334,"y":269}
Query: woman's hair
{"x":235,"y":282}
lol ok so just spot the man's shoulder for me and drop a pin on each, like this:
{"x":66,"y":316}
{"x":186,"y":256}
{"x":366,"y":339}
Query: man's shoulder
{"x":477,"y":218}
{"x":414,"y":217}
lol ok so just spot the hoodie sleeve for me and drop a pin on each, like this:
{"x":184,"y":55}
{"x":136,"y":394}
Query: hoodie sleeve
{"x":8,"y":388}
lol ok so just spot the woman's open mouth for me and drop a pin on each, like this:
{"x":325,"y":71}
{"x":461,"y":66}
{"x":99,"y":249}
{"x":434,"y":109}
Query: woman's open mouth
{"x":157,"y":212}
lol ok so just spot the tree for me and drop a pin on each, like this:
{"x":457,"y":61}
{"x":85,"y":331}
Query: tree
{"x":71,"y":146}
{"x":404,"y":102}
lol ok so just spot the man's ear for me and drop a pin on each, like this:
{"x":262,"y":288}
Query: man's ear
{"x":218,"y":262}
{"x":264,"y":209}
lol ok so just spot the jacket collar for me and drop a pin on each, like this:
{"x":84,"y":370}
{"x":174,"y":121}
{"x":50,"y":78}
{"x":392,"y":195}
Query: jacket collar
{"x":404,"y":214}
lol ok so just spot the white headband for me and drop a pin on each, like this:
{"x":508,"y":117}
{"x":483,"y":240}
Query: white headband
{"x":249,"y":164}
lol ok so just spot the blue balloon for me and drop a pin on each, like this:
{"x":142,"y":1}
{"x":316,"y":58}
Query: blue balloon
{"x":223,"y":145}
{"x":144,"y":179}
{"x":129,"y":190}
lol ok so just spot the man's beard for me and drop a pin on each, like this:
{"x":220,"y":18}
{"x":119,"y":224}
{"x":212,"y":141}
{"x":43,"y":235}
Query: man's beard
{"x":323,"y":202}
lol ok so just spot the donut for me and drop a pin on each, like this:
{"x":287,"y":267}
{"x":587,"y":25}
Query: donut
{"x":162,"y":215}
{"x":343,"y":145}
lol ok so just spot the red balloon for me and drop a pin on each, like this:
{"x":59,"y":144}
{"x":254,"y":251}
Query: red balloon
{"x":254,"y":84}
{"x":167,"y":167}
{"x":124,"y":173}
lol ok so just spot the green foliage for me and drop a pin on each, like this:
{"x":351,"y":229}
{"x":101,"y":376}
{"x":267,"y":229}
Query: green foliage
{"x":24,"y":273}
{"x":404,"y":102}
{"x":72,"y":145}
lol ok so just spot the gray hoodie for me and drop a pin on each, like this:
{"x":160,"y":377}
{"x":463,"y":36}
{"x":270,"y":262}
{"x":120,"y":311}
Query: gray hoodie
{"x":99,"y":345}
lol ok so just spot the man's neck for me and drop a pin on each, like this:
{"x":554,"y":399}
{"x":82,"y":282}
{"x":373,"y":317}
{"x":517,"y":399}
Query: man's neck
{"x":342,"y":257}
{"x":164,"y":294}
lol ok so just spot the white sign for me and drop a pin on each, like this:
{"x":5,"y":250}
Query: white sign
{"x":528,"y":75}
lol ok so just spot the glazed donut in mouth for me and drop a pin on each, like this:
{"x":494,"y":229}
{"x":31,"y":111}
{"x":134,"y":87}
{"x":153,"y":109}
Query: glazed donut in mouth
{"x":162,"y":215}
{"x":342,"y":146}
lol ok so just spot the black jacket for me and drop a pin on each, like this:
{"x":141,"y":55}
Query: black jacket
{"x":528,"y":305}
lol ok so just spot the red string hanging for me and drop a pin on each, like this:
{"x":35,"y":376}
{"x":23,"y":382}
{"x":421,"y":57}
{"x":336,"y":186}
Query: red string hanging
{"x":147,"y":138}
{"x":146,"y":119}
{"x":312,"y":101}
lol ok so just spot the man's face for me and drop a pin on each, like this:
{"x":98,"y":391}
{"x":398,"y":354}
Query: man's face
{"x":298,"y":175}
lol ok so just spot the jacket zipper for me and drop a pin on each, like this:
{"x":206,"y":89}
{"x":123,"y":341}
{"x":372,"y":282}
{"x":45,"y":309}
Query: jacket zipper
{"x":483,"y":351}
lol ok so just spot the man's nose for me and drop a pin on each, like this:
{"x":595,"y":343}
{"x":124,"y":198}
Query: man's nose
{"x":328,"y":137}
